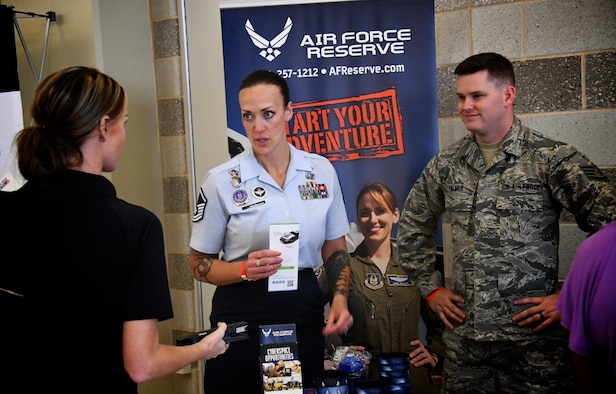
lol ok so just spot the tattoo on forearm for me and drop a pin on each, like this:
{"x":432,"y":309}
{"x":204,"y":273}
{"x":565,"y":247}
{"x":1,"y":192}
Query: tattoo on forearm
{"x":342,"y":284}
{"x":203,"y":268}
{"x":338,"y":271}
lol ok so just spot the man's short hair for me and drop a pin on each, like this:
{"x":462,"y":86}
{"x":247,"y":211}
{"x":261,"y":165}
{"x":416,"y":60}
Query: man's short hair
{"x":499,"y":67}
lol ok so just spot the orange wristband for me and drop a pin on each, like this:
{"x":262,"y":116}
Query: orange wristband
{"x":243,"y":271}
{"x":434,"y":293}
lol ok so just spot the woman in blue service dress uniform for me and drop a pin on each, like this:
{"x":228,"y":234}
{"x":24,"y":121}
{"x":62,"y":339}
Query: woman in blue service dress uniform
{"x":271,"y":182}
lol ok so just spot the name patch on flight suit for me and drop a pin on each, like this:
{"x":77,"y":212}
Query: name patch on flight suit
{"x":399,"y":280}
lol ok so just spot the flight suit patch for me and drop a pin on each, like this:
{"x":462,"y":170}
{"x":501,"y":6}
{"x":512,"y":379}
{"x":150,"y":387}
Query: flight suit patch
{"x":399,"y":280}
{"x":374,"y":281}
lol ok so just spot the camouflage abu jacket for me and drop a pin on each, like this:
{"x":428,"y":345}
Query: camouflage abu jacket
{"x":504,"y":223}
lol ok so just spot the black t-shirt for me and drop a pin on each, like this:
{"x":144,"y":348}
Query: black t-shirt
{"x":76,"y":263}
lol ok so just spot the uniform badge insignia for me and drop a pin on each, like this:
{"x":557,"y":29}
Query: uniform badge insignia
{"x":240,"y":197}
{"x":373,"y":281}
{"x":259,"y":192}
{"x":323,"y":191}
{"x":236,"y":180}
{"x":313,"y":190}
{"x":200,"y":206}
{"x":594,"y":173}
{"x":399,"y":280}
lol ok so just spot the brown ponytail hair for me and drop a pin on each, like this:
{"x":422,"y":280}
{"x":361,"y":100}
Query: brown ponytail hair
{"x":67,"y":107}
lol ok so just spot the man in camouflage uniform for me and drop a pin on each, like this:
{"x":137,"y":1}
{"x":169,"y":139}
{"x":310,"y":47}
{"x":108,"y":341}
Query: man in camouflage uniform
{"x":502,"y":189}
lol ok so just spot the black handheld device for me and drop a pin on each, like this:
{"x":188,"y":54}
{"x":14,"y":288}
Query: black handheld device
{"x":235,"y":332}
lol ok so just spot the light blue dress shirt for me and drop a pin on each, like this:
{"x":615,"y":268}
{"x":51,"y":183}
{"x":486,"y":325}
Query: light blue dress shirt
{"x":238,"y":200}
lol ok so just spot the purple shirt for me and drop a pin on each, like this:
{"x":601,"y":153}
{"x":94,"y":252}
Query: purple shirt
{"x":588,"y":298}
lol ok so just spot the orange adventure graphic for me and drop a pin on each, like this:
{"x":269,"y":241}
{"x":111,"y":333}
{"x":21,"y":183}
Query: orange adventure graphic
{"x":360,"y":127}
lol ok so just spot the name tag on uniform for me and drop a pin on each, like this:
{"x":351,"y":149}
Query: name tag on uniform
{"x":399,"y":280}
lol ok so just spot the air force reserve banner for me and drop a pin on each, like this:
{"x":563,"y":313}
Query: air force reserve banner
{"x":362,"y":76}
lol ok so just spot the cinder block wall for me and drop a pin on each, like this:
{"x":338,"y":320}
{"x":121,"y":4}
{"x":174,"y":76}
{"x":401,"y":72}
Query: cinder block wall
{"x":564,"y":53}
{"x":174,"y":142}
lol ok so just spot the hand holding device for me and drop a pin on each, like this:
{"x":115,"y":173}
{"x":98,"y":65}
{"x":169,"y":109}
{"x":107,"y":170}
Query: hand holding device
{"x":235,"y":332}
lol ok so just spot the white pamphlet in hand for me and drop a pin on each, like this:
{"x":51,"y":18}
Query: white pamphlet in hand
{"x":284,"y":237}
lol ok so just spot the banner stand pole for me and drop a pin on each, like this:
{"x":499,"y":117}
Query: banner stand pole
{"x":51,"y":17}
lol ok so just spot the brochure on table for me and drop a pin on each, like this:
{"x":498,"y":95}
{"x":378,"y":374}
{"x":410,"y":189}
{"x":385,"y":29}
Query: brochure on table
{"x":280,"y":363}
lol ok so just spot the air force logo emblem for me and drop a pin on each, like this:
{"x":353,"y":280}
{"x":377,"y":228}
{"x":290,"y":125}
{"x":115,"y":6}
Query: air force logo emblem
{"x":373,"y":281}
{"x":269,"y":48}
